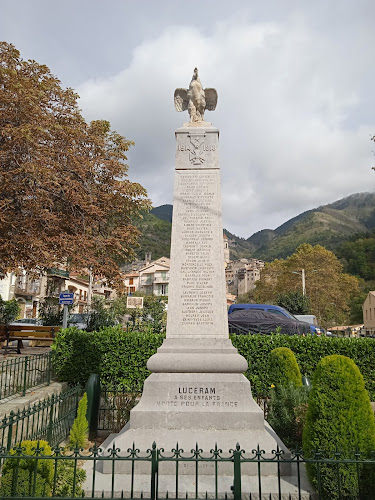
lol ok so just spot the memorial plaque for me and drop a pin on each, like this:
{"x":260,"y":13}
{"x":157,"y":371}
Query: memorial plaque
{"x":197,"y":300}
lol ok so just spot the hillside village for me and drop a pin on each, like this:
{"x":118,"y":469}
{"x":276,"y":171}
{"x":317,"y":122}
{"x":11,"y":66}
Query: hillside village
{"x":151,"y":275}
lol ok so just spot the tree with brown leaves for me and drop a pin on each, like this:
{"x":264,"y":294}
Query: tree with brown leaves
{"x":329,"y":289}
{"x":64,"y":192}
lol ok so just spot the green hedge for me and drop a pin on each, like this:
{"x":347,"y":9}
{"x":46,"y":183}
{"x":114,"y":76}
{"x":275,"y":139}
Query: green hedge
{"x":114,"y":354}
{"x":120,"y":356}
{"x":308,"y":351}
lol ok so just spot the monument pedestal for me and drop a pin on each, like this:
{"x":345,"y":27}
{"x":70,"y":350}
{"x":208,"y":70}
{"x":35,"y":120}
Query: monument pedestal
{"x":197,"y":393}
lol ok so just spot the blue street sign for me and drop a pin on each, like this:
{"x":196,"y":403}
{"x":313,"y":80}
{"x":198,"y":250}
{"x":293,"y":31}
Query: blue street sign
{"x":66,"y":298}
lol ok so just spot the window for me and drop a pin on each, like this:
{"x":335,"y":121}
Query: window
{"x":131,"y":281}
{"x":164,"y":289}
{"x":131,"y":289}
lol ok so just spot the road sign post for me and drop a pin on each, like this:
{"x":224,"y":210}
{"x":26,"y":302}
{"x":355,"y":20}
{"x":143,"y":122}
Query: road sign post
{"x":66,"y":299}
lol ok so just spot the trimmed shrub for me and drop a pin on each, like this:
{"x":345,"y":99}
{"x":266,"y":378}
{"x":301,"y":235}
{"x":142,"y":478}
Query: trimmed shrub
{"x":284,"y":368}
{"x":287,"y":413}
{"x":340,"y":418}
{"x":80,"y":428}
{"x":24,"y":480}
{"x":116,"y":355}
{"x":121,"y":357}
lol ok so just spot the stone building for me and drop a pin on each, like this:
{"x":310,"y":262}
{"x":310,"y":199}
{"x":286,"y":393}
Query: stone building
{"x":241,"y":275}
{"x":368,"y":309}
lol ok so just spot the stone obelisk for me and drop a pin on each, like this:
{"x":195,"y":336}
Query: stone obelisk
{"x":196,"y":392}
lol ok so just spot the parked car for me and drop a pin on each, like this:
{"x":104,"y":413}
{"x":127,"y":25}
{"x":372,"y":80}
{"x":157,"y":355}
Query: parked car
{"x":79,"y":320}
{"x":313,"y":322}
{"x":244,"y":321}
{"x":26,"y":322}
{"x":275,"y":309}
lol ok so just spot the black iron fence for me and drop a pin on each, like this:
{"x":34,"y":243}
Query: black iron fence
{"x":117,"y":475}
{"x":17,"y":375}
{"x":49,"y":419}
{"x":114,"y":409}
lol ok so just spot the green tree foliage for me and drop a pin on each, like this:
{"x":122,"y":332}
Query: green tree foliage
{"x":153,"y":314}
{"x":287,"y":413}
{"x":328,"y":288}
{"x":294,"y":302}
{"x":24,"y":484}
{"x":101,"y":315}
{"x":155,"y":236}
{"x":358,"y":255}
{"x":9,"y":311}
{"x":50,"y":311}
{"x":80,"y":428}
{"x":284,"y":368}
{"x":339,"y":417}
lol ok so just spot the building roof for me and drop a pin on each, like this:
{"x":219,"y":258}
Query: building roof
{"x":163,"y":261}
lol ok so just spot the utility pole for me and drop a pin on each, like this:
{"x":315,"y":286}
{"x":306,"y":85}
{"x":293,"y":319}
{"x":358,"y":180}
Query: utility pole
{"x":89,"y":292}
{"x":302,"y":273}
{"x":303,"y":282}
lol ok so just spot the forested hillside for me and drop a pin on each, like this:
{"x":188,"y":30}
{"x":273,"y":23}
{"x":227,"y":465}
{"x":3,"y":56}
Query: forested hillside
{"x":329,"y":225}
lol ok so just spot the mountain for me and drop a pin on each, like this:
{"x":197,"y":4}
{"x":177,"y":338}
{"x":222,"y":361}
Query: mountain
{"x":163,"y":212}
{"x":155,"y":236}
{"x":239,"y":247}
{"x":328,"y":225}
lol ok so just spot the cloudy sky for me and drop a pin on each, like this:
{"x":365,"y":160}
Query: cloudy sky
{"x":295,"y":80}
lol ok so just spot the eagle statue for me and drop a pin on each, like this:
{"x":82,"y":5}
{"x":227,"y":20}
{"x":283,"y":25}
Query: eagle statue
{"x":195,"y":99}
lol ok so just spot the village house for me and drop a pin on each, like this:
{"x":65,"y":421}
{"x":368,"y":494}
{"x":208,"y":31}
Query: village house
{"x":241,"y":275}
{"x":368,"y":309}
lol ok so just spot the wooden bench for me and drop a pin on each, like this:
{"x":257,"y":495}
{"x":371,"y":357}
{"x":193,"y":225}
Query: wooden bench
{"x":11,"y":333}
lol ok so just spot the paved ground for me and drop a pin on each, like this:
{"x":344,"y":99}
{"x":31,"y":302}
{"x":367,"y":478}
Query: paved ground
{"x":25,"y":351}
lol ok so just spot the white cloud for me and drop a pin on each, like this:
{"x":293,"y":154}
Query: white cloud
{"x":287,"y":93}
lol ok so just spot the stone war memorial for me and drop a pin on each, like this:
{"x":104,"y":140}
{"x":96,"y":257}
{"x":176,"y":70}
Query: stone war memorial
{"x":197,"y":393}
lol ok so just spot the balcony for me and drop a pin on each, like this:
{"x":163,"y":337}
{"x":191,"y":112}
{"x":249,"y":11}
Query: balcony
{"x":161,"y":279}
{"x":27,"y":287}
{"x":61,"y":273}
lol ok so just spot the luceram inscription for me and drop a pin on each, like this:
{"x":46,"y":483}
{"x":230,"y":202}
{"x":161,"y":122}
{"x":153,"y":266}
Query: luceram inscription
{"x":188,"y":396}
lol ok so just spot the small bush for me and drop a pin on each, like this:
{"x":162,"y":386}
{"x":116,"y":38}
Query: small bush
{"x":80,"y":428}
{"x":340,"y":417}
{"x":24,"y":482}
{"x":9,"y":310}
{"x":284,"y":368}
{"x":287,"y":413}
{"x":65,"y":479}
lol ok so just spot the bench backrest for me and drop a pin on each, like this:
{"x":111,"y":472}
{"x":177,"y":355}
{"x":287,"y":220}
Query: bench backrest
{"x":29,"y":331}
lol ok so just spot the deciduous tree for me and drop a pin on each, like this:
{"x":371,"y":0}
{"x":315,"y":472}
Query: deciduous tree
{"x":327,"y":287}
{"x":64,"y":191}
